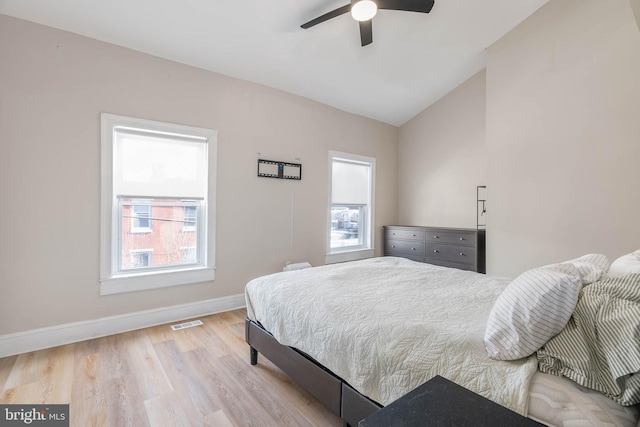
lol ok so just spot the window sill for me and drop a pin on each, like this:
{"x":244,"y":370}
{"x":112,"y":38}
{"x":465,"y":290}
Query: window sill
{"x":140,"y":230}
{"x":155,"y":280}
{"x":353,"y":255}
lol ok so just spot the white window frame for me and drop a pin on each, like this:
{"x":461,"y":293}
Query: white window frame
{"x":366,"y":249}
{"x":112,"y":281}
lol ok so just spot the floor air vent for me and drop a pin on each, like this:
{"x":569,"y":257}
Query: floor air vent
{"x":186,"y":325}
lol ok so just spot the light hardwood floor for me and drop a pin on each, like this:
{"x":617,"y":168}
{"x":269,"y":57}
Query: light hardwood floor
{"x":200,"y":376}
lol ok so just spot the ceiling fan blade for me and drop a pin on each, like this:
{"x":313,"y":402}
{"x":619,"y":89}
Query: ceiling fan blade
{"x":423,"y":6}
{"x":320,"y":19}
{"x":366,"y":32}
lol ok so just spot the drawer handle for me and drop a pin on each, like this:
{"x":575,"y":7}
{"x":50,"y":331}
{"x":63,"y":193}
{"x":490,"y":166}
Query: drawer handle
{"x":435,"y":251}
{"x":462,"y":238}
{"x":461,"y":254}
{"x":436,"y":236}
{"x":413,"y":235}
{"x":393,"y":246}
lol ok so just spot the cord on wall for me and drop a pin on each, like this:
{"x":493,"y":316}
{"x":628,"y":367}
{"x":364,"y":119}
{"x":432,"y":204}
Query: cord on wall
{"x":293,"y":195}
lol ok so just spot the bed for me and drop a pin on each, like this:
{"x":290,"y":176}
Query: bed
{"x":361,"y":334}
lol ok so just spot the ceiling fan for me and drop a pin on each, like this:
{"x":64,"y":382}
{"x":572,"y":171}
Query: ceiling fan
{"x":364,"y":10}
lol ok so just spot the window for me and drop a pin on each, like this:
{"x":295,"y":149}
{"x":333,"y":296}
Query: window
{"x":189,"y":218}
{"x":140,"y":259}
{"x":189,"y":255}
{"x":157,"y":196}
{"x":140,"y":215}
{"x":165,"y":231}
{"x":351,"y":189}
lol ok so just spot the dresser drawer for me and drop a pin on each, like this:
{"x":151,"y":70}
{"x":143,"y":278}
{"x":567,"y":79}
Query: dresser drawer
{"x":451,"y":253}
{"x":456,"y":237}
{"x":404,"y":247}
{"x":403,"y":234}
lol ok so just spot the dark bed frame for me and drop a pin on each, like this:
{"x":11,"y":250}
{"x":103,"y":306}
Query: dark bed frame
{"x":332,"y":391}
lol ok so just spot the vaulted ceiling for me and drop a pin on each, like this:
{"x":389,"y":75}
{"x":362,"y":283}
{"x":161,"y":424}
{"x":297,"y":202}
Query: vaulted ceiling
{"x":413,"y":61}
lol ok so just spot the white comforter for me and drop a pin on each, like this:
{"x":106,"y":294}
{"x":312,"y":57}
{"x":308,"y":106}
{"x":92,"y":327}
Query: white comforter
{"x":387,"y":325}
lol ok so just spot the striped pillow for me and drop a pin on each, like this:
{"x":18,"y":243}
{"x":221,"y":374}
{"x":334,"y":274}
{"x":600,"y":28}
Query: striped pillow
{"x":592,"y":267}
{"x":531,"y":310}
{"x":600,"y":346}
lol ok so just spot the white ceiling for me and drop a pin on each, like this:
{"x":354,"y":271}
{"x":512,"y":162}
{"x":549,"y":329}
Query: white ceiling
{"x":414,"y":60}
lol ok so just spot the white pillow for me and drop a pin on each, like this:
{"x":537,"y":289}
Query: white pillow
{"x":592,"y":267}
{"x":626,"y":264}
{"x":531,"y":310}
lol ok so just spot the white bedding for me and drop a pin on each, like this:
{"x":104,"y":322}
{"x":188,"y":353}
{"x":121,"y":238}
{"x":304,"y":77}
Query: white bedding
{"x":559,"y":402}
{"x":387,"y":325}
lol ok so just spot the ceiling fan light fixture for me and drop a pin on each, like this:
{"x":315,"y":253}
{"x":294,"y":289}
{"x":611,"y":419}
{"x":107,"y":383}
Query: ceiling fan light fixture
{"x":363,"y":10}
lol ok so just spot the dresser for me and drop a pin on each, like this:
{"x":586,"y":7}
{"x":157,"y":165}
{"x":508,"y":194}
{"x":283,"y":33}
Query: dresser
{"x":462,"y":248}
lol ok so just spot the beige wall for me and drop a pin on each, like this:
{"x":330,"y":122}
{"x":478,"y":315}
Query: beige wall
{"x":53,"y":87}
{"x":558,"y":149}
{"x":442,"y":159}
{"x":563,"y":136}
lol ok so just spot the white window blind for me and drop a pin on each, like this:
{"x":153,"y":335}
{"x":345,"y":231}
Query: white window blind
{"x":351,"y":182}
{"x":159,"y":165}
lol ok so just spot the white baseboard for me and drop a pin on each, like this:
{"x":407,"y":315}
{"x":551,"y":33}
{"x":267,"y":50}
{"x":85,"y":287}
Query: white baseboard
{"x":38,"y":339}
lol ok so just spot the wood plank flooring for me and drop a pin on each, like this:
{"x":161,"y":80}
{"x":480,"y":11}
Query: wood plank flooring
{"x":200,"y":376}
